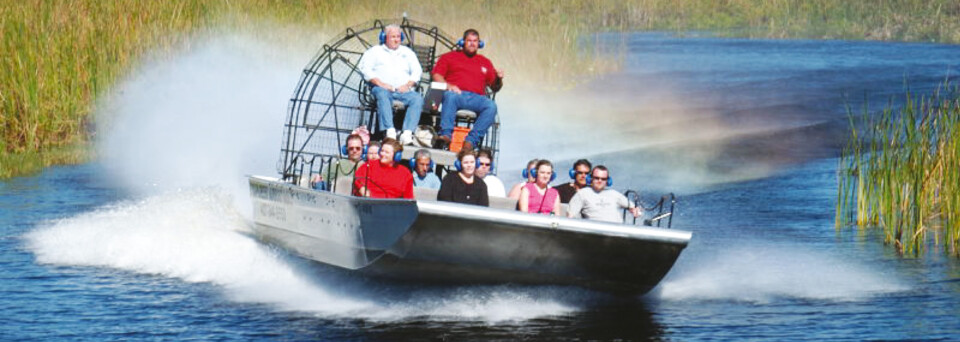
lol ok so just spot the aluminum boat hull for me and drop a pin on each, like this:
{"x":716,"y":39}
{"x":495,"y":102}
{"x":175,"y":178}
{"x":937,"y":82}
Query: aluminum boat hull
{"x":454,"y":243}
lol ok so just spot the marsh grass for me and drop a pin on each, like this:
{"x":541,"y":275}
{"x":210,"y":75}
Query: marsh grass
{"x":900,"y":172}
{"x":61,"y":55}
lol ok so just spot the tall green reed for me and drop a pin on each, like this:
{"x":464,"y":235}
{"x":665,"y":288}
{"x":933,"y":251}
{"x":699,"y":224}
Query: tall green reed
{"x":900,"y":173}
{"x":60,"y":55}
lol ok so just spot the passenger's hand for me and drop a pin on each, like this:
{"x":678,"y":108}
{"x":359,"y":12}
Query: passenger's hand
{"x":403,"y":89}
{"x":453,"y":88}
{"x":636,"y":212}
{"x":500,"y":73}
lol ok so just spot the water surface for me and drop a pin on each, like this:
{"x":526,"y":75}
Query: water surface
{"x":746,"y":131}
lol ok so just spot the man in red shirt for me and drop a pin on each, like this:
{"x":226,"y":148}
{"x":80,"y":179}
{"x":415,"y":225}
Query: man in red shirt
{"x":384,"y":178}
{"x":467,"y":75}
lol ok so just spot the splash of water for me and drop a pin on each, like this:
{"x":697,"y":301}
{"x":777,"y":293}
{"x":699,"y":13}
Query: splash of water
{"x":198,"y":236}
{"x":200,"y":118}
{"x":761,"y":275}
{"x":195,"y":235}
{"x":181,"y":134}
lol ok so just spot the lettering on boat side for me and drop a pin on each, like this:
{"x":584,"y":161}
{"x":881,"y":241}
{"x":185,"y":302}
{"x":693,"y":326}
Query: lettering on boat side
{"x":259,"y":190}
{"x":277,"y":195}
{"x":302,"y":197}
{"x":328,"y":202}
{"x":273,"y":212}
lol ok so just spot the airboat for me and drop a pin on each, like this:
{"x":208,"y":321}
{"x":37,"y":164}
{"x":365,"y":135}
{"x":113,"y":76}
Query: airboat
{"x":425,"y":240}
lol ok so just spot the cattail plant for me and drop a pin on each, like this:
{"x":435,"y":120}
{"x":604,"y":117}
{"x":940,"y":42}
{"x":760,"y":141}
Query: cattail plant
{"x":900,"y":173}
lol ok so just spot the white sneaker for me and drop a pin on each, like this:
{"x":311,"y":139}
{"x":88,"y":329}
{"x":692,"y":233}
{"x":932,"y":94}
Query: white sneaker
{"x":391,"y":133}
{"x":406,"y":138}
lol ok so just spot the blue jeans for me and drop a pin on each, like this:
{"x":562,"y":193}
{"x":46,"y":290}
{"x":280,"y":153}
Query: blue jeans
{"x":411,"y":99}
{"x":485,"y":108}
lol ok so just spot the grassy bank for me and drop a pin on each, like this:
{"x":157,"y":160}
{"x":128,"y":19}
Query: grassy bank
{"x":61,"y":55}
{"x":900,"y":174}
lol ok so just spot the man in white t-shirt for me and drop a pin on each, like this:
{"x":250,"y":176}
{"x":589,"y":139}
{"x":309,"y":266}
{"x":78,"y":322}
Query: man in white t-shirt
{"x":596,"y":202}
{"x":393,"y":71}
{"x":484,"y":164}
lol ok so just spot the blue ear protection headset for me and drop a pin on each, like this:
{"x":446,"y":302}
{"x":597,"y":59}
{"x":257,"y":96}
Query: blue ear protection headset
{"x":573,"y":174}
{"x":413,"y":164}
{"x":396,"y":156}
{"x":343,"y":151}
{"x":609,"y":179}
{"x":460,"y":44}
{"x":532,"y":171}
{"x":526,"y":172}
{"x":383,"y":36}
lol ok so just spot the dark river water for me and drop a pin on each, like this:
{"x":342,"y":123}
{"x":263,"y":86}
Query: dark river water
{"x":154,"y":244}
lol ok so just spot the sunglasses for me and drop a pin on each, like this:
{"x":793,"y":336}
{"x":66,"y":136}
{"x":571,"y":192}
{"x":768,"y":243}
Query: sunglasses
{"x":582,"y":172}
{"x":355,"y":148}
{"x":483,"y":164}
{"x":604,"y":179}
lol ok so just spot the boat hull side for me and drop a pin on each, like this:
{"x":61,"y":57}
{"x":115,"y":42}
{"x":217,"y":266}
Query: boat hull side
{"x":450,"y":243}
{"x":339,"y":230}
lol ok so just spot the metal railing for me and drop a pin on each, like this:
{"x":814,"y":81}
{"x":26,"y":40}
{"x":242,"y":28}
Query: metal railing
{"x":662,"y":210}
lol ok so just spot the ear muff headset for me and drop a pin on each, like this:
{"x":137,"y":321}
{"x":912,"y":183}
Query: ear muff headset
{"x":609,"y":179}
{"x":491,"y":163}
{"x":527,"y":172}
{"x":573,"y":171}
{"x":457,"y":165}
{"x":460,"y":44}
{"x":413,"y":164}
{"x":533,"y":171}
{"x":383,"y":36}
{"x":365,"y":153}
{"x":396,"y":156}
{"x":343,"y":151}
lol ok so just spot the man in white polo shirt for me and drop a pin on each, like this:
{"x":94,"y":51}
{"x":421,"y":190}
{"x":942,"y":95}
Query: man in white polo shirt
{"x":393,"y":72}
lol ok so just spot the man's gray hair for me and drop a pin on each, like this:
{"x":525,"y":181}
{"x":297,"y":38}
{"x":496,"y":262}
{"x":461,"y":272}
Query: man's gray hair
{"x":422,"y":153}
{"x":392,"y":27}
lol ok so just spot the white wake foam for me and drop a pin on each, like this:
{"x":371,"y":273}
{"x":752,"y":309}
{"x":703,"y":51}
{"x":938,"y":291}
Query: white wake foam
{"x":198,"y":236}
{"x":760,"y":275}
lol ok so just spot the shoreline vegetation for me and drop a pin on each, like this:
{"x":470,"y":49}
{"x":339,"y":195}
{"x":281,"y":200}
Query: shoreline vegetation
{"x":899,"y":173}
{"x":62,"y":55}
